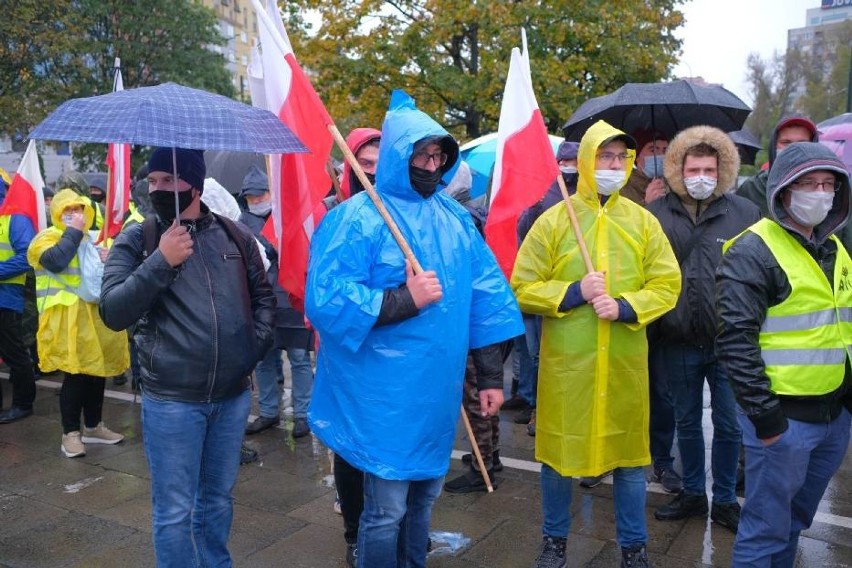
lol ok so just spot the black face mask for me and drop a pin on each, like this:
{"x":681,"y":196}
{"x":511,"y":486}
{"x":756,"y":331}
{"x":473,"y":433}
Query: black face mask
{"x":163,"y":202}
{"x":570,"y":179}
{"x":423,"y":181}
{"x":356,"y":185}
{"x":98,"y":197}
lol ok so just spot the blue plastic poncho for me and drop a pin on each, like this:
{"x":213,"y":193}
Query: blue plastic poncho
{"x":387,"y":398}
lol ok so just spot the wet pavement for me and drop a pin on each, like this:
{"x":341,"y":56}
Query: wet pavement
{"x":95,"y":511}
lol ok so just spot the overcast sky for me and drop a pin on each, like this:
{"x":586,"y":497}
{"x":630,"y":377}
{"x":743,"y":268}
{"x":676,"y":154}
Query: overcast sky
{"x":718,"y":35}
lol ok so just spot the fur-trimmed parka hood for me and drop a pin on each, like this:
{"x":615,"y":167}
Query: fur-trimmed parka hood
{"x":729,"y":158}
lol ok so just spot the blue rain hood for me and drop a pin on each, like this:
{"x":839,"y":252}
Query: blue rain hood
{"x":387,"y":398}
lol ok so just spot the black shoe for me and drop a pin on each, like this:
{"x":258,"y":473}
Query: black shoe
{"x":524,"y":415}
{"x":14,"y":414}
{"x":496,"y":464}
{"x":531,"y":425}
{"x":119,"y":380}
{"x":515,"y":403}
{"x":552,"y":553}
{"x":352,"y":555}
{"x":668,"y":478}
{"x":469,"y":482}
{"x":247,"y":455}
{"x":589,"y":482}
{"x":261,"y":423}
{"x":634,"y":557}
{"x":681,"y":507}
{"x":301,"y":428}
{"x":726,"y":515}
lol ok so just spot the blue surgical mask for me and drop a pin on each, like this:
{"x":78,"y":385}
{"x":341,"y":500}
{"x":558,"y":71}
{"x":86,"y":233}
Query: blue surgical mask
{"x":654,"y":166}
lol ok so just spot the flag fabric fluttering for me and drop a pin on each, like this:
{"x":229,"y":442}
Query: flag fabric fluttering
{"x":118,"y":179}
{"x":298,"y":182}
{"x":25,"y":195}
{"x":524,"y":166}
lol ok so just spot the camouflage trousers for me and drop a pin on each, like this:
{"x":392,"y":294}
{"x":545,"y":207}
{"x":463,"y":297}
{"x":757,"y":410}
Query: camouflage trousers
{"x":486,"y":431}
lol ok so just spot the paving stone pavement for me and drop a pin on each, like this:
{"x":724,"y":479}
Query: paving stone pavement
{"x":94,"y":511}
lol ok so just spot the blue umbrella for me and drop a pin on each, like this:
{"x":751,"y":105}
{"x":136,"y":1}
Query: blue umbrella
{"x":480,"y":155}
{"x":169,"y":115}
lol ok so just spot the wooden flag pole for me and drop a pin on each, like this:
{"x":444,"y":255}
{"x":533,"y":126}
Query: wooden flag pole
{"x":409,"y":255}
{"x":578,"y":234}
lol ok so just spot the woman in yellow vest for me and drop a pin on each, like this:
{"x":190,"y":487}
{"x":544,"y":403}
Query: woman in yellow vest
{"x":71,"y":336}
{"x":784,"y":300}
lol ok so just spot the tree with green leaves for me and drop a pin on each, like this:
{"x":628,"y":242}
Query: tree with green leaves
{"x":54,"y":50}
{"x":452,"y":55}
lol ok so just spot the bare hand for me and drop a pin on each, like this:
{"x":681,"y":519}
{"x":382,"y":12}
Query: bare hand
{"x":655,"y":190}
{"x":592,"y":285}
{"x":769,"y":441}
{"x":103,"y":252}
{"x":490,"y":401}
{"x":77,"y":222}
{"x":425,"y":288}
{"x":176,"y":244}
{"x":605,"y":307}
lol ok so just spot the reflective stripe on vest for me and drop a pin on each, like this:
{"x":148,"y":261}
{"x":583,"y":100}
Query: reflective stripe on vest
{"x":54,"y":289}
{"x":6,"y":250}
{"x":806,"y":339}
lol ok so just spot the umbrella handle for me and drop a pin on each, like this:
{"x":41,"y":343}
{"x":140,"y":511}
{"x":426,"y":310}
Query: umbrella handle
{"x":574,"y":225}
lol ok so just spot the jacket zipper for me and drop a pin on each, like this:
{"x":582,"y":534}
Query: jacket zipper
{"x":215,"y":320}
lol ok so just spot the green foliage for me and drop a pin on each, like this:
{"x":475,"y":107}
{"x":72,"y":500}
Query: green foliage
{"x":54,"y":50}
{"x":452,"y":56}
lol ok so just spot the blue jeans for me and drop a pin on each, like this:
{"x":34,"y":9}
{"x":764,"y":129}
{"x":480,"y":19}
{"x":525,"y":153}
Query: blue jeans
{"x":394,"y":527}
{"x":688,"y":366}
{"x":784,"y":484}
{"x":662,"y":423}
{"x":193,"y":453}
{"x":270,"y":369}
{"x":628,"y":489}
{"x":528,"y":379}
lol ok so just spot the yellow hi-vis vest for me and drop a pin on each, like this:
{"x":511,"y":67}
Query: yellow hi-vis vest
{"x":6,"y":250}
{"x":54,"y":289}
{"x":134,"y":217}
{"x":806,"y":339}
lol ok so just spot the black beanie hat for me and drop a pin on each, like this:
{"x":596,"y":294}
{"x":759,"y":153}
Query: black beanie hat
{"x":190,"y":165}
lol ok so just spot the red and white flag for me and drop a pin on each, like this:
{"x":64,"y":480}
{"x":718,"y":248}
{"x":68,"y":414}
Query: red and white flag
{"x":118,"y":180}
{"x":524,"y":167}
{"x":25,"y":195}
{"x":298,"y":182}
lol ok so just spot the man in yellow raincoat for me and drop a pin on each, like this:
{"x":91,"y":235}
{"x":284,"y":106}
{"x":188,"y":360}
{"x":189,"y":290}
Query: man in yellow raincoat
{"x":593,"y":373}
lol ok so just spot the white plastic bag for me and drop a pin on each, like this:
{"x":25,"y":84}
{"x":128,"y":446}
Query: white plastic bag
{"x":91,"y":271}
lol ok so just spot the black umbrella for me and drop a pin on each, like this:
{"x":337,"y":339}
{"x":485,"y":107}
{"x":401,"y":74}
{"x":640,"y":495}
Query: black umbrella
{"x":667,"y":107}
{"x":229,"y":168}
{"x":747,"y":145}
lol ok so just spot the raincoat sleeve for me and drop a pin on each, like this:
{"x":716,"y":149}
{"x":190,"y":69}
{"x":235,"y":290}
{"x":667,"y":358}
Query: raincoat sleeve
{"x":130,"y":285}
{"x":339,"y":300}
{"x":534,"y":280}
{"x":662,"y":277}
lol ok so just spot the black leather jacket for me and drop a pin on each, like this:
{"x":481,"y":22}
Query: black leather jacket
{"x":202,"y":327}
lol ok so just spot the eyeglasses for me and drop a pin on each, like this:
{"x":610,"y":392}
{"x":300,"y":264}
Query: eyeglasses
{"x":421,"y":159}
{"x":813,"y":185}
{"x":610,"y":157}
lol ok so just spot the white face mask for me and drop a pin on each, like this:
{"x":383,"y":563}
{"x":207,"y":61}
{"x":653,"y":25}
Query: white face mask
{"x":609,"y":181}
{"x":700,"y":187}
{"x":568,"y":169}
{"x":260,"y":209}
{"x":810,"y":208}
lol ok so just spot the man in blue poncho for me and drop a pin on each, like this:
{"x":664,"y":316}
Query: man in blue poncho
{"x":393,"y":344}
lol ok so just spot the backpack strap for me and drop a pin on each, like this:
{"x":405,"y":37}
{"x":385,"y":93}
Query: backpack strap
{"x":150,"y":234}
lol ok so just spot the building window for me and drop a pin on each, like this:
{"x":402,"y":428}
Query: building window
{"x":63,"y":149}
{"x":244,"y":37}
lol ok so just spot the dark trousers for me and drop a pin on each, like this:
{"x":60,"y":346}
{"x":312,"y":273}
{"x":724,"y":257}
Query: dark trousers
{"x":350,"y":488}
{"x":486,"y":430}
{"x":17,"y":356}
{"x":81,"y":393}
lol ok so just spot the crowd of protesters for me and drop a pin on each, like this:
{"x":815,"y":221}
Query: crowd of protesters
{"x":695,"y":278}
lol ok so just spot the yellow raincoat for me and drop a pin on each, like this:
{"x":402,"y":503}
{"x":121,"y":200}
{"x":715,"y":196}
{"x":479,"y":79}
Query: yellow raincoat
{"x":592,"y":413}
{"x":71,"y":335}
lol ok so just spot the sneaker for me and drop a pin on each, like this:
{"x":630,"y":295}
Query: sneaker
{"x":668,"y":478}
{"x":247,"y":455}
{"x":72,"y":445}
{"x":531,"y":425}
{"x":524,"y":416}
{"x":497,"y":465}
{"x":352,"y":555}
{"x":726,"y":515}
{"x":469,"y":482}
{"x":589,"y":482}
{"x":552,"y":553}
{"x":119,"y":380}
{"x":100,"y":434}
{"x":301,"y":428}
{"x":515,"y":403}
{"x":682,"y":507}
{"x":634,"y":557}
{"x":337,"y":507}
{"x":261,"y":423}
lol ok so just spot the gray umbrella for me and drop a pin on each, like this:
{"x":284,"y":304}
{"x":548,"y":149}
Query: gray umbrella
{"x":229,"y":168}
{"x":747,"y":145}
{"x":667,"y":107}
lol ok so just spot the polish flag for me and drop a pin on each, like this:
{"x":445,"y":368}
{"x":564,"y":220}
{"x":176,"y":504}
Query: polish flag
{"x":26,"y":192}
{"x":298,"y":182}
{"x":524,"y":167}
{"x":118,"y":180}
